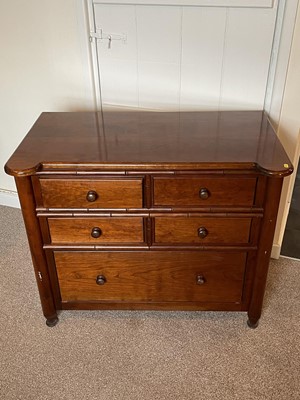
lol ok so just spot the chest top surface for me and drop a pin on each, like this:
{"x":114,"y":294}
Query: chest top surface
{"x":150,"y":141}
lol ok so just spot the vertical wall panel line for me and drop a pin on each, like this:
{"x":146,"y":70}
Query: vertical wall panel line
{"x":223,"y":61}
{"x":180,"y":59}
{"x":137,"y":59}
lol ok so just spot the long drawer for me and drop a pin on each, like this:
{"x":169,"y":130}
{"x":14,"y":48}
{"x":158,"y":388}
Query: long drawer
{"x":204,"y":230}
{"x":96,"y":230}
{"x":204,"y":191}
{"x":92,"y":193}
{"x":151,"y":276}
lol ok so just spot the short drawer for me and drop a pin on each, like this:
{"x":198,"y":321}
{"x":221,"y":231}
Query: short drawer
{"x":204,"y":191}
{"x":151,"y":276}
{"x":96,"y":230}
{"x":83,"y":193}
{"x":210,"y":230}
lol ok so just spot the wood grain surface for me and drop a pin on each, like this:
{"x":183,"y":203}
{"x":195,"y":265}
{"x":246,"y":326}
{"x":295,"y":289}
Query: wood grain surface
{"x":155,"y":276}
{"x":64,"y":193}
{"x":185,"y":191}
{"x":112,"y":230}
{"x":89,"y":141}
{"x":186,"y":230}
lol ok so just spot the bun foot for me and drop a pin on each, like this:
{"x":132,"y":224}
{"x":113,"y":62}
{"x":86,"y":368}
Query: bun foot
{"x":51,"y":322}
{"x":252,"y":325}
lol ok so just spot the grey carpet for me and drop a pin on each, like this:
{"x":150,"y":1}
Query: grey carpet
{"x":114,"y":355}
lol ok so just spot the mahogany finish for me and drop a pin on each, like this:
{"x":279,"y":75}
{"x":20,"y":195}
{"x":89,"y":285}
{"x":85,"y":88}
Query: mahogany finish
{"x":92,"y":193}
{"x":203,"y":191}
{"x":96,"y":230}
{"x":151,"y":276}
{"x":142,"y":210}
{"x":222,"y":230}
{"x":127,"y":141}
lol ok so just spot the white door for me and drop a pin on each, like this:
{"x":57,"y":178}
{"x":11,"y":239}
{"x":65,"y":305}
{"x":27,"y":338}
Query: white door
{"x":163,"y":57}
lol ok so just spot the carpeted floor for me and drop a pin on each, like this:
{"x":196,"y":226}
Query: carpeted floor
{"x":117,"y":355}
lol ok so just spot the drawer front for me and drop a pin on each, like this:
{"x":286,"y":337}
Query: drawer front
{"x":65,"y":193}
{"x":202,"y":231}
{"x":202,"y":192}
{"x":151,"y":276}
{"x":96,"y":230}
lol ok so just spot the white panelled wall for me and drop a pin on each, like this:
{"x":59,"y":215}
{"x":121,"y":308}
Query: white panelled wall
{"x":184,"y":58}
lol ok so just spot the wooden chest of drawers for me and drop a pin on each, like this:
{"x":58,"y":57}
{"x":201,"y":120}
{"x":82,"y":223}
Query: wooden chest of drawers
{"x":165,"y":211}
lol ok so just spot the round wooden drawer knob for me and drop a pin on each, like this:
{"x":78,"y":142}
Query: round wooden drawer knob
{"x":200,"y":280}
{"x":202,"y":232}
{"x":204,"y":193}
{"x":91,"y":196}
{"x":100,"y":280}
{"x":96,"y":232}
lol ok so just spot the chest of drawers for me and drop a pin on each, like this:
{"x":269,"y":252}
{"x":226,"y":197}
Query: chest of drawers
{"x":161,"y":211}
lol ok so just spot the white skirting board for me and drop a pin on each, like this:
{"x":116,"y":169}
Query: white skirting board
{"x":9,"y":198}
{"x":276,"y":249}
